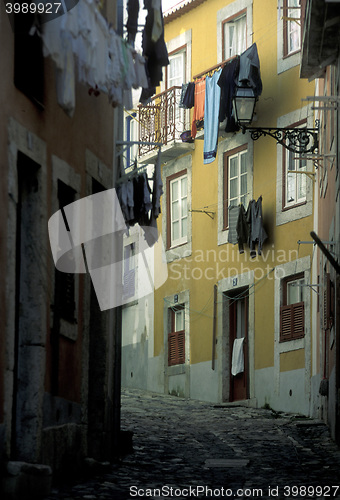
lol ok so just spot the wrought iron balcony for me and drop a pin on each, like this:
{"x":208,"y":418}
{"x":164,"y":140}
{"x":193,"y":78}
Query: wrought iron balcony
{"x":162,"y":121}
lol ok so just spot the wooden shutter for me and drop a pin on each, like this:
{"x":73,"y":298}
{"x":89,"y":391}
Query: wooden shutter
{"x":292,"y":321}
{"x":181,"y":347}
{"x":298,"y":319}
{"x":285,"y":323}
{"x":171,"y":349}
{"x":176,"y":348}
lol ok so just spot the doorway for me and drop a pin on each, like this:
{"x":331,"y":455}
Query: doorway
{"x":29,"y":350}
{"x":238,"y":345}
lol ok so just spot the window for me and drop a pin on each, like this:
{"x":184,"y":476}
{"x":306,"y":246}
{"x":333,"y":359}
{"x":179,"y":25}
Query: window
{"x":291,"y":26}
{"x":177,"y":188}
{"x":176,"y":337}
{"x":28,"y":59}
{"x":176,"y":69}
{"x":131,"y":134}
{"x":234,"y":36}
{"x":292,"y":310}
{"x":235,"y":180}
{"x":295,"y":182}
{"x":234,"y":28}
{"x":129,"y":271}
{"x":176,"y":76}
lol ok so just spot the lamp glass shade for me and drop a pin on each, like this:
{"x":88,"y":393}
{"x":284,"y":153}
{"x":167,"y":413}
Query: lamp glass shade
{"x":244,"y":105}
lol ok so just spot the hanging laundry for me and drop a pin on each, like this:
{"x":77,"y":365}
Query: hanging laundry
{"x":100,"y":59}
{"x":132,"y":21}
{"x":183,"y":92}
{"x":242,"y":228}
{"x":151,"y":232}
{"x":130,"y":201}
{"x":227,"y":82}
{"x":237,"y":359}
{"x":129,"y":78}
{"x":211,"y":109}
{"x":142,"y":80}
{"x":199,"y":105}
{"x":122,"y":197}
{"x":257,"y":233}
{"x":147,"y":204}
{"x":249,"y":72}
{"x":139,"y":204}
{"x":154,"y":51}
{"x":233,"y":213}
{"x":189,"y":96}
{"x":157,"y":189}
{"x":157,"y":28}
{"x":66,"y":79}
{"x":52,"y":42}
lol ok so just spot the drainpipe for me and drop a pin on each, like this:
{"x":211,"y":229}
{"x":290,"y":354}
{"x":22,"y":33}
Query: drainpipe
{"x":118,"y":134}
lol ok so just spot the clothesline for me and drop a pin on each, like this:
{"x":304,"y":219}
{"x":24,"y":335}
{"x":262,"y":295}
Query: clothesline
{"x":212,"y":70}
{"x":84,"y":45}
{"x":132,"y":173}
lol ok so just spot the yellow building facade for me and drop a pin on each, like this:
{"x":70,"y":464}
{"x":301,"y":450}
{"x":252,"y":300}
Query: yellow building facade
{"x":220,"y":321}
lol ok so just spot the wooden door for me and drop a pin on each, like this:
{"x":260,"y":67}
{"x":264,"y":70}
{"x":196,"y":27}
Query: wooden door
{"x":238,"y":328}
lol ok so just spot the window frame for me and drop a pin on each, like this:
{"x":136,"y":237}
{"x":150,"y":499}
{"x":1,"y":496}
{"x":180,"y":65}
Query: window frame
{"x":292,"y":316}
{"x":131,"y":134}
{"x":176,"y":338}
{"x":28,"y":60}
{"x":286,"y":205}
{"x":230,"y":20}
{"x":226,"y":179}
{"x":286,"y":24}
{"x":182,"y":115}
{"x":182,"y":240}
{"x":229,"y":11}
{"x":180,"y":51}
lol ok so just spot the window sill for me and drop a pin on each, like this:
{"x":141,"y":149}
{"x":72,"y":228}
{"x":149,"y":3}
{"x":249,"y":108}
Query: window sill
{"x":287,"y":56}
{"x":174,"y":247}
{"x":290,"y":207}
{"x":179,"y":252}
{"x":290,"y":339}
{"x":176,"y":369}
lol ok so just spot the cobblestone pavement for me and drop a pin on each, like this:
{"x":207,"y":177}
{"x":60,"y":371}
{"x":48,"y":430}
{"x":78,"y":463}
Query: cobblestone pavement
{"x":190,"y":449}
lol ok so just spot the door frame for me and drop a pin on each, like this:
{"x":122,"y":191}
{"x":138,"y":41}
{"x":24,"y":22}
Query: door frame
{"x":21,"y":441}
{"x":231,"y":303}
{"x":234,"y":285}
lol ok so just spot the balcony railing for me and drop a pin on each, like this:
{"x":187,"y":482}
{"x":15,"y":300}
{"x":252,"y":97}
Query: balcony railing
{"x":162,"y":120}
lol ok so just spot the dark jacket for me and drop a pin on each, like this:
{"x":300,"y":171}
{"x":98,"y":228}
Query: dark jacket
{"x":257,"y":233}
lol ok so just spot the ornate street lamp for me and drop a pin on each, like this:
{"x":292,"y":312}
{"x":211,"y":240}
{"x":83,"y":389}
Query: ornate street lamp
{"x":297,"y":140}
{"x":244,"y":105}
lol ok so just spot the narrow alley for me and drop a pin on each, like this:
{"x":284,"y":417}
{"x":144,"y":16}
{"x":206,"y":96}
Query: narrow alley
{"x":185,"y":448}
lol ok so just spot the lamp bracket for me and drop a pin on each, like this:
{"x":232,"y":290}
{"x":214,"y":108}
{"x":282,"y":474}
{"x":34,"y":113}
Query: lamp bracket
{"x":297,"y":140}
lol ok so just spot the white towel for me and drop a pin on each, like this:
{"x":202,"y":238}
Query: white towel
{"x":237,"y":360}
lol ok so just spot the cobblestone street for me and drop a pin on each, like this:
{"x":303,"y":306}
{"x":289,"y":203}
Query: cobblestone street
{"x":188,"y":449}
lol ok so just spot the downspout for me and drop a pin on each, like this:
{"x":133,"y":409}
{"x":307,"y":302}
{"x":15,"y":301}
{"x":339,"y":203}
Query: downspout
{"x":118,"y":135}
